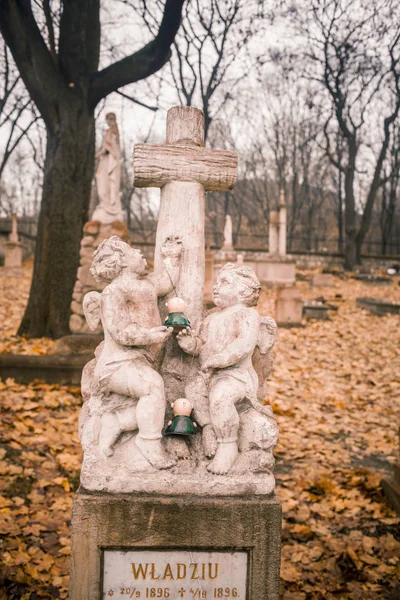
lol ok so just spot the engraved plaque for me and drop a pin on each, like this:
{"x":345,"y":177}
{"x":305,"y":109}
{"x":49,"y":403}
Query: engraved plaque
{"x":174,"y":574}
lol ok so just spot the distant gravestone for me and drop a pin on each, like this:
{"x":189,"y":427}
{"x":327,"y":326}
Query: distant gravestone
{"x":378,"y":307}
{"x":13,"y":248}
{"x":288,"y":306}
{"x":316,"y":310}
{"x":323,"y":280}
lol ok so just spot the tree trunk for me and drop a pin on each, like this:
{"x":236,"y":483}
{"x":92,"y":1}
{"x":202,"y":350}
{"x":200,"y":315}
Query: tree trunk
{"x":350,"y":249}
{"x":340,"y":213}
{"x":68,"y":173}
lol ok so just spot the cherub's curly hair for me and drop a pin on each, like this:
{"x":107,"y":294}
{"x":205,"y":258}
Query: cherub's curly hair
{"x":109,"y":259}
{"x":251,"y":285}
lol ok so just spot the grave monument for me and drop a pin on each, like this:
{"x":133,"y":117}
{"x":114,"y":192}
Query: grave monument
{"x":106,"y":221}
{"x":277,"y":269}
{"x":13,"y":248}
{"x":176,"y":516}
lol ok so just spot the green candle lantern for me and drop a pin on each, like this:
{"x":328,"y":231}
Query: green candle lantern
{"x":181,"y":424}
{"x":176,"y":317}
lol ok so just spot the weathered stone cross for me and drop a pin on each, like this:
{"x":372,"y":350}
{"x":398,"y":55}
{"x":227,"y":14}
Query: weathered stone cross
{"x":184,"y":170}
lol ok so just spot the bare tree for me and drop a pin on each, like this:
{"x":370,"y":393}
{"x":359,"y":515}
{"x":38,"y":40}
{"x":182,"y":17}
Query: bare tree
{"x":57,"y":55}
{"x":210,"y":51}
{"x":353,"y":50}
{"x":17,"y":111}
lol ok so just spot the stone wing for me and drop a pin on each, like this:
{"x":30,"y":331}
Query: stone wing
{"x":262,"y":356}
{"x":91,"y":309}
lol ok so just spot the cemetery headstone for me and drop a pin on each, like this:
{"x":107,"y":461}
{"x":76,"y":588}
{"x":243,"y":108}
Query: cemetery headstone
{"x":315,"y":309}
{"x":228,"y":234}
{"x":151,"y":514}
{"x":378,"y":307}
{"x":288,"y":306}
{"x":273,"y":238}
{"x":277,"y":269}
{"x":282,"y":223}
{"x":13,"y":248}
{"x":323,"y":280}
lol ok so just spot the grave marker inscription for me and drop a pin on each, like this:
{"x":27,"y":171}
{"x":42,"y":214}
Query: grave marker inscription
{"x":186,"y":574}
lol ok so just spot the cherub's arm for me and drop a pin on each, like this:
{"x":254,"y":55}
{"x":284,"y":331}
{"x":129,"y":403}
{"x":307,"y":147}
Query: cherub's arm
{"x":190,"y":342}
{"x":167,"y":277}
{"x":132,"y":334}
{"x":243,"y":344}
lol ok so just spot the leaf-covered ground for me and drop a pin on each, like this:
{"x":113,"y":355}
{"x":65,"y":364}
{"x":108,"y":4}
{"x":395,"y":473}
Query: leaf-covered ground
{"x":335,"y":391}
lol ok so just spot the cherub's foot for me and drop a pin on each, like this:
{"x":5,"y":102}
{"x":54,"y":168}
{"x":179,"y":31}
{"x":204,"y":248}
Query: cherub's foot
{"x":224,"y":459}
{"x":153,"y":451}
{"x":209,"y":441}
{"x":106,"y":445}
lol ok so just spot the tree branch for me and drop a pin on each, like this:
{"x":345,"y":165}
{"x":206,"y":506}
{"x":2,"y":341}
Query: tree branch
{"x":132,"y":99}
{"x":142,"y":63}
{"x":31,"y":55}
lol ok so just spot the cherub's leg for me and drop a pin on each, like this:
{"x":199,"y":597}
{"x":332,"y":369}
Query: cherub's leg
{"x":109,"y":432}
{"x":224,"y":394}
{"x":197,"y":392}
{"x":140,"y":380}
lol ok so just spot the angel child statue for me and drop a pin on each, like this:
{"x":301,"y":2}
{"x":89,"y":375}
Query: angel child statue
{"x":234,"y":348}
{"x":124,"y":390}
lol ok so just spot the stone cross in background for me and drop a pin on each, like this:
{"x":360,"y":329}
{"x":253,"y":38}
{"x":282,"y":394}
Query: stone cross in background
{"x":228,"y":234}
{"x":184,"y":170}
{"x":14,"y":229}
{"x":273,"y":239}
{"x":13,"y":248}
{"x":282,"y":223}
{"x":277,"y":228}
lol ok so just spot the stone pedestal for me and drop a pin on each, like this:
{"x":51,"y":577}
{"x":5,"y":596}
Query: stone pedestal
{"x":276,"y":271}
{"x":94,"y":233}
{"x":13,"y":254}
{"x":181,"y":547}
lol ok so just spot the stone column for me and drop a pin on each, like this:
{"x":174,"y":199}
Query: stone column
{"x":13,"y":248}
{"x":273,"y":241}
{"x":282,"y":224}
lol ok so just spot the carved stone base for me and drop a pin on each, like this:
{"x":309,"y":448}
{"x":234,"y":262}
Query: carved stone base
{"x":189,"y":524}
{"x":94,"y":233}
{"x":111,"y":474}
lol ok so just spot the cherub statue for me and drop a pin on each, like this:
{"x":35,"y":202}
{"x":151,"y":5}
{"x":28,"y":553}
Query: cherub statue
{"x":230,"y":343}
{"x":127,"y":393}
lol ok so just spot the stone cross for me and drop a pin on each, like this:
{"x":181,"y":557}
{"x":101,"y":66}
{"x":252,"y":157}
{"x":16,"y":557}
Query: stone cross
{"x":273,"y":241}
{"x":228,"y":239}
{"x":14,"y":229}
{"x":282,"y":223}
{"x":184,"y":170}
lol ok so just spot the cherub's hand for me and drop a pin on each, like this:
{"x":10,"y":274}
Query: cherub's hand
{"x":159,"y":335}
{"x":172,"y":247}
{"x":214,"y":362}
{"x":207,"y":366}
{"x":187,"y":341}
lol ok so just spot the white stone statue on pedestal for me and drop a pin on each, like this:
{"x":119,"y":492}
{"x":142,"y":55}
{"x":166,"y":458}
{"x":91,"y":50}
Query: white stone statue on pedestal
{"x":108,"y":175}
{"x":228,"y":234}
